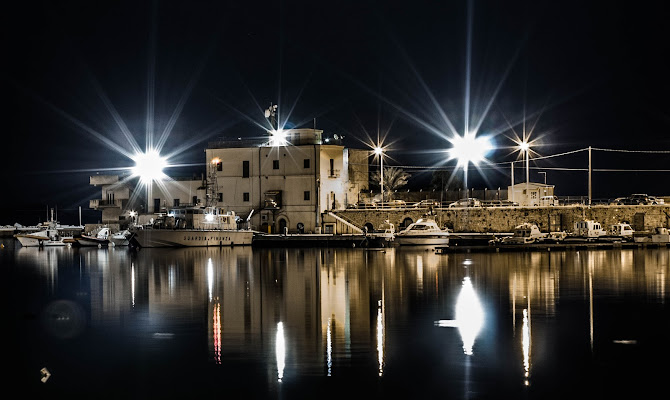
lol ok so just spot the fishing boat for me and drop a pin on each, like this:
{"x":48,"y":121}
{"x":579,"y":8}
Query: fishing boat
{"x":425,"y":231}
{"x":527,"y":233}
{"x":49,"y":236}
{"x":190,"y":227}
{"x":121,"y":238}
{"x":98,"y":239}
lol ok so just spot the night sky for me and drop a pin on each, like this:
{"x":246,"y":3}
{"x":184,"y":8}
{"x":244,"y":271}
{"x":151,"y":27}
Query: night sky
{"x":579,"y":73}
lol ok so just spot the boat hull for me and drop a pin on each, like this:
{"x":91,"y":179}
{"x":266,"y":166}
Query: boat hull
{"x":192,"y":238}
{"x":31,"y":241}
{"x":119,"y":241}
{"x":92,"y":242}
{"x":435,"y":240}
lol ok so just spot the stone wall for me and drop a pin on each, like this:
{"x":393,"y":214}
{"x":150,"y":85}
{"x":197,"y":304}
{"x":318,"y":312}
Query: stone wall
{"x":504,"y":219}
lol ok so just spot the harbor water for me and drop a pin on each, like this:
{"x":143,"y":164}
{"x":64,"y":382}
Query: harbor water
{"x":313,"y":323}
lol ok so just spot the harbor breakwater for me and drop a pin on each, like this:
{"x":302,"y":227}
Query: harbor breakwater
{"x":504,"y":219}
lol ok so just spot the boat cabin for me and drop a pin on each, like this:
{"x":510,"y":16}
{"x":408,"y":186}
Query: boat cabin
{"x":589,"y":229}
{"x":621,"y":229}
{"x":200,"y":218}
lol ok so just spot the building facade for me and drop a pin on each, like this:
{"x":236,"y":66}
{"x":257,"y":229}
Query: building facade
{"x":287,"y":185}
{"x":276,"y":185}
{"x":530,"y":197}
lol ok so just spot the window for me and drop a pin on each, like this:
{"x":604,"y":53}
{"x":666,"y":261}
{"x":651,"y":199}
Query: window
{"x":306,"y":163}
{"x":219,"y":166}
{"x":175,"y":202}
{"x":220,"y":197}
{"x":195,"y":200}
{"x":306,"y":195}
{"x":245,"y":196}
{"x":245,"y":169}
{"x":275,"y":164}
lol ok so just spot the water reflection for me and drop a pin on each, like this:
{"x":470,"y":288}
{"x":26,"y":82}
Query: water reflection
{"x":469,"y":316}
{"x":322,"y":312}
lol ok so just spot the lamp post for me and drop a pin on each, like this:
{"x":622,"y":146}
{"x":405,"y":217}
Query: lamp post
{"x":380,"y":152}
{"x":524,"y":147}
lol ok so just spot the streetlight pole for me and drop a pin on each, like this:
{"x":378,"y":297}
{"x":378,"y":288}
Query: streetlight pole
{"x":380,"y":152}
{"x":527,"y":176}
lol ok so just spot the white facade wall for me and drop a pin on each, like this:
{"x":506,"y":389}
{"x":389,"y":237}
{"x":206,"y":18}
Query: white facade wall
{"x":293,"y":170}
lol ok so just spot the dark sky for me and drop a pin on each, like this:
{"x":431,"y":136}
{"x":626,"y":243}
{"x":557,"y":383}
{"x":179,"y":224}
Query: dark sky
{"x":582,"y":73}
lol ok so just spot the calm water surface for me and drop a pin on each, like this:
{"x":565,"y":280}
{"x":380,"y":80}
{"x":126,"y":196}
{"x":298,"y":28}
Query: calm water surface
{"x":325,"y":323}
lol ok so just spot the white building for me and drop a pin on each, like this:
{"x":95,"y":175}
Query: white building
{"x":536,"y":191}
{"x":277,"y":185}
{"x":287,"y":182}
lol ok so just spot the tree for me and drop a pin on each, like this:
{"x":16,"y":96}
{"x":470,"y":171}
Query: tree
{"x":394,"y":178}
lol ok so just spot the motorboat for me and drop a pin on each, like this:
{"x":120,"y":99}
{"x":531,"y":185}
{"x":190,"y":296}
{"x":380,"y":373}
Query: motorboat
{"x":121,"y":238}
{"x":48,"y":236}
{"x":621,"y":230}
{"x":190,"y":227}
{"x":98,"y":239}
{"x":425,"y":231}
{"x":382,"y":237}
{"x":530,"y":233}
{"x":588,"y":229}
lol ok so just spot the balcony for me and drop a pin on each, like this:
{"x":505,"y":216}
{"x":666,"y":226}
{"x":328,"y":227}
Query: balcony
{"x":100,"y":203}
{"x":333,"y":173}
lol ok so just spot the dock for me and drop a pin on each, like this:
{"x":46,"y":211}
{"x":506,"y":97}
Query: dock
{"x":316,"y":240}
{"x":547,"y":247}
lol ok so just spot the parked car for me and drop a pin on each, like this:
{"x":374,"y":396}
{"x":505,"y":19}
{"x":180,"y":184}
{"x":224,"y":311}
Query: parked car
{"x":426,"y":203}
{"x":392,"y":204}
{"x":639,"y":198}
{"x":656,"y":200}
{"x":548,"y":201}
{"x":469,"y":202}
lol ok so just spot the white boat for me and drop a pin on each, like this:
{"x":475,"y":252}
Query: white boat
{"x":121,"y":238}
{"x":622,"y":230}
{"x":48,"y":237}
{"x":425,"y":231}
{"x":588,"y":229}
{"x":530,"y":233}
{"x":190,"y":227}
{"x":99,"y":239}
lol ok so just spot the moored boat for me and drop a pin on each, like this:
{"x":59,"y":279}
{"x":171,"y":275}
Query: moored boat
{"x":193,"y":227}
{"x":425,"y":231}
{"x":99,"y":239}
{"x":50,"y":236}
{"x":121,"y":238}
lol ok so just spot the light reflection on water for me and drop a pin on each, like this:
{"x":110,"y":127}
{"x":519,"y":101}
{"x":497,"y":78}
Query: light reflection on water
{"x":281,"y":320}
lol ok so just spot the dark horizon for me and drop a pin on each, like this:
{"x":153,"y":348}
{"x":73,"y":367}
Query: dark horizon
{"x":580,"y":74}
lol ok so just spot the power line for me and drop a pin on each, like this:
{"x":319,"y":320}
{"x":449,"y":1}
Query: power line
{"x":634,"y":151}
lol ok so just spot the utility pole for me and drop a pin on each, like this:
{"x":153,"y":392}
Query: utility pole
{"x":590,"y":175}
{"x":512,"y":167}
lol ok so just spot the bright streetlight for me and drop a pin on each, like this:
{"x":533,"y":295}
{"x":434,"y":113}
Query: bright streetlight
{"x":469,"y":149}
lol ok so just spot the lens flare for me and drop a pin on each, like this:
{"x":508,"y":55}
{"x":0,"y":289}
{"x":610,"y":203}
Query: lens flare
{"x":149,"y":166}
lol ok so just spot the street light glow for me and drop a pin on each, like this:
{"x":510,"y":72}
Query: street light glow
{"x":378,"y":151}
{"x":469,"y":149}
{"x":277,"y":137}
{"x":523,"y":146}
{"x":149,"y":166}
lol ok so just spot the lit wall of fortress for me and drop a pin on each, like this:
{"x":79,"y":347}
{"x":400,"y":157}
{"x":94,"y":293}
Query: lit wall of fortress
{"x":504,"y":219}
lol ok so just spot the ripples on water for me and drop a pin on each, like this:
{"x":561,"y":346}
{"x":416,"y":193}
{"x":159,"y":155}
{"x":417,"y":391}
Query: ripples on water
{"x":317,"y":323}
